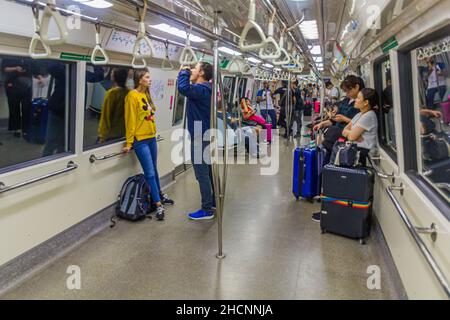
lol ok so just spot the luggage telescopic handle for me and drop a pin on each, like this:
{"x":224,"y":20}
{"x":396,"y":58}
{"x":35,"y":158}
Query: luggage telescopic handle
{"x":251,"y":24}
{"x":50,"y":12}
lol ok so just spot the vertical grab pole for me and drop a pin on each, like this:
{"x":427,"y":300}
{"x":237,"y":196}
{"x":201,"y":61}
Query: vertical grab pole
{"x":214,"y":145}
{"x":288,"y":109}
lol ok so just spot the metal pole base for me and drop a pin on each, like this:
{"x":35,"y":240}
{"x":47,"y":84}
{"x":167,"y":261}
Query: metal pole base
{"x":221,"y":257}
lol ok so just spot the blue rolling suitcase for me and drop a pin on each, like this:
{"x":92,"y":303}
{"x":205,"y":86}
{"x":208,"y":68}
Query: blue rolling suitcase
{"x":37,"y":129}
{"x":306,"y":173}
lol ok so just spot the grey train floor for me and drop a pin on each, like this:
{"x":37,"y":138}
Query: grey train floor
{"x":274,"y":251}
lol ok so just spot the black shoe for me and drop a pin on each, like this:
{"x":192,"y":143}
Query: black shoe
{"x":316,"y":217}
{"x":160,"y":213}
{"x":166,"y":200}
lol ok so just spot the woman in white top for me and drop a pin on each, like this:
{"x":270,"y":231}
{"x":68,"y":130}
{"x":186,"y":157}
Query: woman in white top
{"x":364,"y":126}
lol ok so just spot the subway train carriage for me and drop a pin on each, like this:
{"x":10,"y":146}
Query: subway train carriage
{"x":225,"y":150}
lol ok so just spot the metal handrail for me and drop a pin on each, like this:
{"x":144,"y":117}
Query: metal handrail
{"x":70,"y":166}
{"x":94,"y":158}
{"x":378,"y":171}
{"x":423,"y":249}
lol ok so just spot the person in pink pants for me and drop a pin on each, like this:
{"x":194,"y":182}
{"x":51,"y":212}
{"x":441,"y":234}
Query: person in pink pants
{"x":250,"y":114}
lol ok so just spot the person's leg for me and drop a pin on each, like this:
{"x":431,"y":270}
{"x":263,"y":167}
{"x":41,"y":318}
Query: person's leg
{"x":264,"y":114}
{"x":430,"y":97}
{"x":204,"y":177}
{"x":143,"y":153}
{"x":14,"y":112}
{"x":442,"y":91}
{"x":273,"y":117}
{"x":52,"y":139}
{"x":25,"y":101}
{"x":153,"y":145}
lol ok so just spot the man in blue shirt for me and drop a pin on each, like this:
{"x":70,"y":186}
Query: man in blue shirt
{"x":195,"y":85}
{"x":265,"y":100}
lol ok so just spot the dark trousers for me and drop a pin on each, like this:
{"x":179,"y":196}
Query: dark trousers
{"x":147,"y":154}
{"x":19,"y":104}
{"x":272,"y":114}
{"x":56,"y":134}
{"x":203,"y":174}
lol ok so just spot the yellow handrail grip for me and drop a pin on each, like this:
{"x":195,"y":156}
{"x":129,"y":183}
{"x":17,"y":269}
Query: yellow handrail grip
{"x":51,"y":12}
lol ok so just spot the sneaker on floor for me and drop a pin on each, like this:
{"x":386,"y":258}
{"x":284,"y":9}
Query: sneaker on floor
{"x":316,"y":217}
{"x":166,"y":200}
{"x":201,"y":215}
{"x":160,"y":213}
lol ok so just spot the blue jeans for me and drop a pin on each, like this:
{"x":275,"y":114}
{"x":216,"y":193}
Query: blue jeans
{"x":147,"y":153}
{"x":272,"y":114}
{"x":431,"y":93}
{"x":203,"y":174}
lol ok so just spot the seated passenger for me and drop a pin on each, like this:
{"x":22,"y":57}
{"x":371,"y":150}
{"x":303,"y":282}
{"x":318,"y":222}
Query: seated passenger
{"x":250,"y":114}
{"x":363,"y":128}
{"x":352,"y":85}
{"x":248,"y":134}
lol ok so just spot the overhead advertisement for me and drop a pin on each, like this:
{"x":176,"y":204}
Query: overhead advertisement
{"x":340,"y":55}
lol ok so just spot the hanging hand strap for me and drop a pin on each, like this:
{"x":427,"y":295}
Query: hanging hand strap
{"x":251,"y":24}
{"x":188,"y":56}
{"x":142,"y":37}
{"x":37,"y":36}
{"x":284,"y":53}
{"x":275,"y":54}
{"x":235,"y":66}
{"x":49,"y":13}
{"x":166,"y":64}
{"x":98,"y":48}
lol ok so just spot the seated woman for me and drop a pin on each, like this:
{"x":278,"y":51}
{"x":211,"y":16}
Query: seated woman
{"x":248,"y":134}
{"x":250,"y":114}
{"x":363,"y":128}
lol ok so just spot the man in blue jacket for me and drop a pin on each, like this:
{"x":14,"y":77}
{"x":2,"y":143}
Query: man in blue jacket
{"x":195,"y":85}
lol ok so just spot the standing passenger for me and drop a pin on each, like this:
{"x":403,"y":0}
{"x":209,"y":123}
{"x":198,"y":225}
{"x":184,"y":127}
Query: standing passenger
{"x":141,"y":135}
{"x":199,"y":122}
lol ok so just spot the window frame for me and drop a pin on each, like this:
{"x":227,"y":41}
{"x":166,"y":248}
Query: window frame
{"x":175,"y":104}
{"x":378,"y":83}
{"x":409,"y":120}
{"x":71,"y":125}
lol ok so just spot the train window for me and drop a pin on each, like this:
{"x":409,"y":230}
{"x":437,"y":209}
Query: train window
{"x":106,"y":89}
{"x":387,"y":131}
{"x":434,"y":112}
{"x":34,"y":109}
{"x":178,"y":112}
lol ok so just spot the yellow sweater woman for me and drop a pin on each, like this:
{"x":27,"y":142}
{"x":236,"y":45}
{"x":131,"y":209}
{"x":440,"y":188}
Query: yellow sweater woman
{"x":112,"y":120}
{"x":141,"y":135}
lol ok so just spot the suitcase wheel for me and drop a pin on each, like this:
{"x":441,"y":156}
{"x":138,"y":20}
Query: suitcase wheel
{"x":362,"y":242}
{"x":323,"y":231}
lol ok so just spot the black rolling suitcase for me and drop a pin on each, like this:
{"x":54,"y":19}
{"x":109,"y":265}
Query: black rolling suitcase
{"x":348,"y":183}
{"x":347,"y":201}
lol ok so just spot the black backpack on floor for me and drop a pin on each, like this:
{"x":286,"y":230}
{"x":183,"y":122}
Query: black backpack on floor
{"x":134,"y":203}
